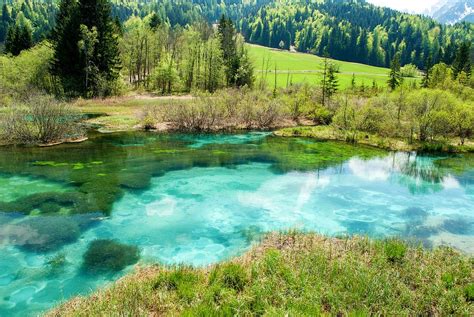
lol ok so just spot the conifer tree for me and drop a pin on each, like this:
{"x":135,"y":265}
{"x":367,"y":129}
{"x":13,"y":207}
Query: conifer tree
{"x":395,"y":79}
{"x":19,"y":36}
{"x":462,"y":62}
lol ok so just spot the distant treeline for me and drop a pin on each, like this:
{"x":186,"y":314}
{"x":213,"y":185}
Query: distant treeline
{"x":347,"y":30}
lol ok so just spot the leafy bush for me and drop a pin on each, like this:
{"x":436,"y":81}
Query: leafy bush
{"x":229,"y":109}
{"x":410,"y":70}
{"x":40,"y":119}
{"x":395,"y":250}
{"x":109,"y":256}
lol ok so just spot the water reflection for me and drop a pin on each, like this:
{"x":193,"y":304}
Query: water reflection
{"x":200,"y":199}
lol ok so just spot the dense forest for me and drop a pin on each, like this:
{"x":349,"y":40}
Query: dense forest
{"x":346,"y":30}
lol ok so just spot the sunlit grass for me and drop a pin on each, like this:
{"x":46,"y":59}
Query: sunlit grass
{"x":297,"y":274}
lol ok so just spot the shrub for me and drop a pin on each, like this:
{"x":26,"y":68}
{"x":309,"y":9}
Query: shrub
{"x":395,"y":250}
{"x":109,"y":256}
{"x":46,"y":234}
{"x":40,"y":119}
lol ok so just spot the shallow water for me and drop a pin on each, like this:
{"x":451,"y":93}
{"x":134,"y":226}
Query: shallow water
{"x":201,"y":199}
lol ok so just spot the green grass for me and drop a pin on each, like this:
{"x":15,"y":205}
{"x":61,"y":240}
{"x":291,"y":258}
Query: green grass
{"x":306,"y":68}
{"x":298,"y":274}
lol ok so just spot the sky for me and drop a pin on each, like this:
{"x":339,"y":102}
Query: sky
{"x":417,"y":6}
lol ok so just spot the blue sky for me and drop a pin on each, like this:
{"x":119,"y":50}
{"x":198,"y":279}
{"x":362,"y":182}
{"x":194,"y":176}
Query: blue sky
{"x":406,"y":5}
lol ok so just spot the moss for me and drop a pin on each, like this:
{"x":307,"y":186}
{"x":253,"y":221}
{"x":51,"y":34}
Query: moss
{"x":135,"y":180}
{"x":109,"y":256}
{"x":46,"y":234}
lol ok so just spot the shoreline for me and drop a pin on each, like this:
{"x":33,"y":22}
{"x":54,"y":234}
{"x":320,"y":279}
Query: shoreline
{"x":322,"y":263}
{"x":327,"y":133}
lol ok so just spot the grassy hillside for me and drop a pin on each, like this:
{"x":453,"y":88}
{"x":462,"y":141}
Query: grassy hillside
{"x":307,"y":68}
{"x":297,"y":274}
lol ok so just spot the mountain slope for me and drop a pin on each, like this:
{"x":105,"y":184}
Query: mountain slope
{"x":451,"y":12}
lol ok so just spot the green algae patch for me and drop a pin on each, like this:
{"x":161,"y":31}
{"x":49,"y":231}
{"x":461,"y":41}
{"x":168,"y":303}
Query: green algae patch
{"x":109,"y":256}
{"x":49,"y":163}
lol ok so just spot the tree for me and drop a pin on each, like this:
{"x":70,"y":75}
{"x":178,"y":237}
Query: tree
{"x":462,"y":62}
{"x":71,"y":64}
{"x":395,"y":79}
{"x":329,"y":82}
{"x":87,"y":45}
{"x":426,"y":77}
{"x":19,"y":36}
{"x":238,"y":68}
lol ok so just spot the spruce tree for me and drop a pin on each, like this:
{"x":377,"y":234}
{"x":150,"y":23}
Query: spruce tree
{"x":19,"y":36}
{"x":395,"y":79}
{"x":462,"y":62}
{"x":70,"y":64}
{"x":97,"y":13}
{"x":66,"y":63}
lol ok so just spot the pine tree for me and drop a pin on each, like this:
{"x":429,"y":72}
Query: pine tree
{"x":66,"y":63}
{"x":70,"y":63}
{"x":19,"y":36}
{"x":425,"y":83}
{"x":395,"y":79}
{"x":97,"y":13}
{"x":329,"y":82}
{"x":462,"y":62}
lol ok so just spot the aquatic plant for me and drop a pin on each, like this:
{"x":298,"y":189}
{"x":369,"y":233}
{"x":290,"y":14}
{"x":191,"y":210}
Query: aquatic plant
{"x":46,"y":234}
{"x":460,"y":226}
{"x":109,"y":256}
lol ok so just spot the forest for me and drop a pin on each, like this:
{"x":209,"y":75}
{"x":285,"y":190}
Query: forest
{"x":346,"y":30}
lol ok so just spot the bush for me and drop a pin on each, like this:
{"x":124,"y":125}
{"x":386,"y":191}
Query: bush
{"x":40,"y":119}
{"x":410,"y":70}
{"x":109,"y":256}
{"x":395,"y":250}
{"x":225,"y":110}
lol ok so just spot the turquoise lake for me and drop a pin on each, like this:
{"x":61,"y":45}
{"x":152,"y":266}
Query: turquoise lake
{"x":200,"y":199}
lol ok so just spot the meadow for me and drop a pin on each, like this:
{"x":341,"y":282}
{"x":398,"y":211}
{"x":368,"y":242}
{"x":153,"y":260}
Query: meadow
{"x":302,"y":68}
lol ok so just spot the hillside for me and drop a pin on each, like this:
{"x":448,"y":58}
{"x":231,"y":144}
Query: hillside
{"x":346,"y":30}
{"x":301,"y":68}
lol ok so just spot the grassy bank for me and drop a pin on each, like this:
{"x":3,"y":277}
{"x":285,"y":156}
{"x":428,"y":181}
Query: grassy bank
{"x":297,"y":274}
{"x":324,"y":133}
{"x":301,"y":68}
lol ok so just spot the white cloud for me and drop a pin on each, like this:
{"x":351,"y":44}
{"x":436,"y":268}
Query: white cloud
{"x":406,"y":5}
